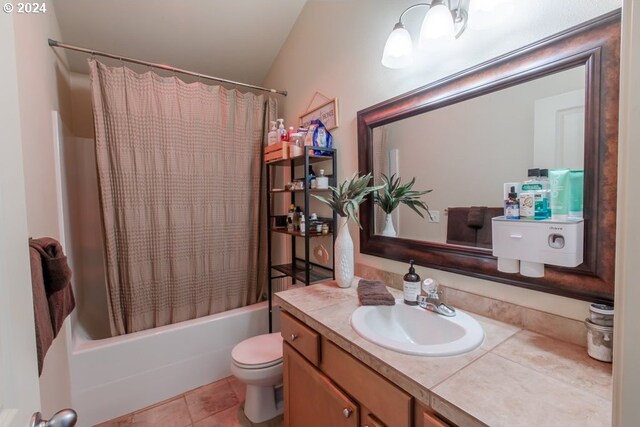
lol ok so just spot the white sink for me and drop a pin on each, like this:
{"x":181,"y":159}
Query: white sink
{"x":414,"y":330}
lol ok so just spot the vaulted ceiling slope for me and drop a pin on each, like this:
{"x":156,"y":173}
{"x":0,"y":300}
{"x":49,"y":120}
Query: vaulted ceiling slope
{"x":232,"y":39}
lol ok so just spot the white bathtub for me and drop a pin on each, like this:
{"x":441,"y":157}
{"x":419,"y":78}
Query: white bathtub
{"x":115,"y":376}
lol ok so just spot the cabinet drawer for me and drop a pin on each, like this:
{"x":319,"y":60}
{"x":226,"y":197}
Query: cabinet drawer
{"x":300,"y":337}
{"x":391,"y":405}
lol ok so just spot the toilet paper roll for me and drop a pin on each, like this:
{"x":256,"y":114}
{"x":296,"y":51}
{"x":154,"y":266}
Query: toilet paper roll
{"x":508,"y":265}
{"x":531,"y":269}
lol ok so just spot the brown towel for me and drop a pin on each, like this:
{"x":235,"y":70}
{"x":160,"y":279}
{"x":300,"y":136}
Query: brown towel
{"x":374,"y":292}
{"x":475,"y":217}
{"x":53,"y":298}
{"x":44,"y":328}
{"x":458,"y":232}
{"x":55,"y":269}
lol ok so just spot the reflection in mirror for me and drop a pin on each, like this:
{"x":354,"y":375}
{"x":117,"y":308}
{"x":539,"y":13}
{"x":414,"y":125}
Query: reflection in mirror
{"x":466,"y":151}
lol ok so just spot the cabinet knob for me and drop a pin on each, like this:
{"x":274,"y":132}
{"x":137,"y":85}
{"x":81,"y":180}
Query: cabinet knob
{"x":294,"y":337}
{"x":347,"y":412}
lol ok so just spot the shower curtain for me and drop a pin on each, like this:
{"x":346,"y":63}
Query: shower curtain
{"x":180,"y":175}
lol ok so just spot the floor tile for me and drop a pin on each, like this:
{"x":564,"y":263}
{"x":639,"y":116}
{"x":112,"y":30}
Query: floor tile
{"x":210,"y":399}
{"x":231,"y":417}
{"x":239,"y":388}
{"x":171,"y":414}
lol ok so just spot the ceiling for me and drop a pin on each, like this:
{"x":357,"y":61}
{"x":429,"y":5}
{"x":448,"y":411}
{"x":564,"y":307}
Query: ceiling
{"x":232,"y":39}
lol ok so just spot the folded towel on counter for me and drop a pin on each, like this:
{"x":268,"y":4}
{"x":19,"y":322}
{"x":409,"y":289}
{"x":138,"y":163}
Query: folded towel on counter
{"x":53,"y":298}
{"x":374,"y":292}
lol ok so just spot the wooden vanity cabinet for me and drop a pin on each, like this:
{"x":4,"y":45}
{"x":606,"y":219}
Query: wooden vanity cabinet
{"x":311,"y":399}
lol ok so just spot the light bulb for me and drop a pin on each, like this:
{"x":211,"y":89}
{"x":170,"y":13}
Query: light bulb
{"x":437,"y":24}
{"x":398,"y":51}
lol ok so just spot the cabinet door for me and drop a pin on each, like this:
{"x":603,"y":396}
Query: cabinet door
{"x":311,"y":399}
{"x":370,"y":420}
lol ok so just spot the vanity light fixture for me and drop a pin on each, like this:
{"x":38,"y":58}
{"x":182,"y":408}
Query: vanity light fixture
{"x":442,"y":21}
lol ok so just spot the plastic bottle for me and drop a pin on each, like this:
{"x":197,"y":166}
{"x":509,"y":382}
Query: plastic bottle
{"x":533,"y":188}
{"x":311,"y":177}
{"x":283,"y":135}
{"x":322,"y":181}
{"x":272,"y":136}
{"x":546,"y":191}
{"x":512,"y":206}
{"x":411,"y":286}
{"x":290,"y":215}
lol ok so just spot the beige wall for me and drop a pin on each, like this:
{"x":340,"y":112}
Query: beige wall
{"x":335,"y":48}
{"x":626,"y":352}
{"x":43,"y":87}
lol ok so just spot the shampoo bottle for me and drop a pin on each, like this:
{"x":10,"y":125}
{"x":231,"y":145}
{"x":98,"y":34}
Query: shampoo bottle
{"x":411,"y":286}
{"x":272,"y":136}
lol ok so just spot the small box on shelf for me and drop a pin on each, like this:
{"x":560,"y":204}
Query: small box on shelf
{"x":277,"y":151}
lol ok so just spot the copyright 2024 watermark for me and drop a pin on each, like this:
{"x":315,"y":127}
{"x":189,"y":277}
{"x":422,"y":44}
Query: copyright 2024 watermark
{"x":25,"y":8}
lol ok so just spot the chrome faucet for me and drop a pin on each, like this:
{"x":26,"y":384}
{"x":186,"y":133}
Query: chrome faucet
{"x":432,"y":302}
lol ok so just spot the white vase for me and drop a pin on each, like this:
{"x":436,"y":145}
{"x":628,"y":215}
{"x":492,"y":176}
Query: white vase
{"x":343,"y":255}
{"x":389,"y":231}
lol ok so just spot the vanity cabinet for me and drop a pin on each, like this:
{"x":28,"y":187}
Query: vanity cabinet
{"x":311,"y":399}
{"x":326,"y":386}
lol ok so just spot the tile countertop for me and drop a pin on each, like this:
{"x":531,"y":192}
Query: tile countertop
{"x":516,"y":377}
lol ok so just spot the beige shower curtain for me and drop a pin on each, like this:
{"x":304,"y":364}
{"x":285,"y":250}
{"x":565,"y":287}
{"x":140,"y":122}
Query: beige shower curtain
{"x":179,"y":168}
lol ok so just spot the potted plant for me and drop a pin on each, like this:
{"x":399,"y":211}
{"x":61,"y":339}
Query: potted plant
{"x":392,"y":193}
{"x":345,"y":200}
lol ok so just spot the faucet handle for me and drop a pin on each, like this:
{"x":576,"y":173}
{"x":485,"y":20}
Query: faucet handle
{"x":430,"y":286}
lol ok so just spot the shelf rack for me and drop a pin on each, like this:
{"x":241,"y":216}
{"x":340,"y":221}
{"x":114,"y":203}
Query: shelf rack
{"x":299,"y":269}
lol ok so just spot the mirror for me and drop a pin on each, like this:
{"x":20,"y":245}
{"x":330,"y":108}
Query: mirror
{"x":548,"y":105}
{"x":488,"y":140}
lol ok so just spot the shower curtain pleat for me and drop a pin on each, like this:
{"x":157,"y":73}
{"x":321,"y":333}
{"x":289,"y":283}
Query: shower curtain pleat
{"x":181,"y":193}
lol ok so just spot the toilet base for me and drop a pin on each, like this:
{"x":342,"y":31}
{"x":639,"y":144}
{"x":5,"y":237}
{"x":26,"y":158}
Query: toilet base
{"x":263,"y":403}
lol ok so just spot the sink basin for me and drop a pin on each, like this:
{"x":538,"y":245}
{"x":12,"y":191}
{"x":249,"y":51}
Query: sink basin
{"x":413,"y":330}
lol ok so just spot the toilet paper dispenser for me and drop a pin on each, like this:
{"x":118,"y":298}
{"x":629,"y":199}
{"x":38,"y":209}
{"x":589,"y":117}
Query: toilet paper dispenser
{"x":525,"y":246}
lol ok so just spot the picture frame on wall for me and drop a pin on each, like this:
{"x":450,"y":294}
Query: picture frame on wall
{"x":327,"y":113}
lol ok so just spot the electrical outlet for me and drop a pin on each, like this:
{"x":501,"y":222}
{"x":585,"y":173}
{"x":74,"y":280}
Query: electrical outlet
{"x":435,"y":216}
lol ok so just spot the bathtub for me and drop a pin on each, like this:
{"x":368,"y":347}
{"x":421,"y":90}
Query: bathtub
{"x":114,"y":376}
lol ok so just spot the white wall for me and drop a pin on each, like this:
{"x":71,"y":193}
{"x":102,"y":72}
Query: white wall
{"x":19,"y":388}
{"x":43,"y":87}
{"x":626,"y":352}
{"x":335,"y":48}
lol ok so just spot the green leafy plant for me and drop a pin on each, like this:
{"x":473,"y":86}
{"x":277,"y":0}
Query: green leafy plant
{"x":393,"y":193}
{"x":348,"y":196}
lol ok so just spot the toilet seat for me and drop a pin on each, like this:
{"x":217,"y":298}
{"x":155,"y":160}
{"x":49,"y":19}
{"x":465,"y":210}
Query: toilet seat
{"x":259,"y":352}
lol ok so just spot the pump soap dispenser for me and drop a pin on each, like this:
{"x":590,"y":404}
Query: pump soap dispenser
{"x":411,"y":286}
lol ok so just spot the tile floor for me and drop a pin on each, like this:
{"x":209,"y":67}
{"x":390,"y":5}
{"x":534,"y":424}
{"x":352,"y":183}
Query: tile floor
{"x":212,"y":405}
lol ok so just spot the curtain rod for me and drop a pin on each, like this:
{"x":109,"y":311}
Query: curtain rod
{"x":54,"y":43}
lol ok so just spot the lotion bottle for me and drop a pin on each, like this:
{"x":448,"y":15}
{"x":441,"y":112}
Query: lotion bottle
{"x":272,"y":136}
{"x":283,"y":135}
{"x":411,"y":286}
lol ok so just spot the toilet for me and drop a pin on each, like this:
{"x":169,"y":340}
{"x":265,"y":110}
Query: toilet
{"x":257,"y":362}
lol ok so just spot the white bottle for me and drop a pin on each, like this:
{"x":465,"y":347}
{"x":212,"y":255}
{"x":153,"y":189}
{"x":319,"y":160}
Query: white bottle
{"x":322,"y":182}
{"x":282,"y":132}
{"x":272,"y":136}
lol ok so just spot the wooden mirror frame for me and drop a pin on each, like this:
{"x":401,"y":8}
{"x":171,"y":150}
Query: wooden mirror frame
{"x":594,"y":44}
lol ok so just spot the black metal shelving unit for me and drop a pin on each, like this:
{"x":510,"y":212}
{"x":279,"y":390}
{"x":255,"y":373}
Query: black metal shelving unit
{"x":300,"y":269}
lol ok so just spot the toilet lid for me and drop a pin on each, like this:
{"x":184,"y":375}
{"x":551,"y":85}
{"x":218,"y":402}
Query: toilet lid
{"x":258,"y":352}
